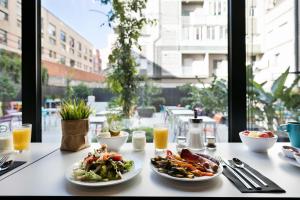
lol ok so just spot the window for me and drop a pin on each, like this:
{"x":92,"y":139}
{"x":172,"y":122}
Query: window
{"x":19,"y":23}
{"x":52,"y":41}
{"x":62,"y":60}
{"x":63,"y":46}
{"x":4,"y":3}
{"x":185,"y":29}
{"x":72,"y":62}
{"x":50,"y":53}
{"x":79,"y":65}
{"x":3,"y":16}
{"x":51,"y":30}
{"x":3,"y":37}
{"x":208,"y":32}
{"x":221,"y":33}
{"x":252,"y":11}
{"x":72,"y":42}
{"x":79,"y":46}
{"x":213,"y":32}
{"x":63,"y":36}
{"x":19,"y":43}
{"x":197,"y":33}
{"x":11,"y":64}
{"x":19,"y":8}
{"x":271,"y":56}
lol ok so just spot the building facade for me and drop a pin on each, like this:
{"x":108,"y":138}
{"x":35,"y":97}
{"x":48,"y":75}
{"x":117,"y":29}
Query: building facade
{"x":271,"y":38}
{"x":62,"y":47}
{"x":190,"y":39}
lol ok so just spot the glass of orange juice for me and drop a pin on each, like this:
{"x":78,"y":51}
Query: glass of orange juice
{"x":160,"y":138}
{"x":22,"y":137}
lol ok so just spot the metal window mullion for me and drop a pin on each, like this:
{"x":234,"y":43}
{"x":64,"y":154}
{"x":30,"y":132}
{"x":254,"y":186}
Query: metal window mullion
{"x":31,"y":67}
{"x":236,"y":69}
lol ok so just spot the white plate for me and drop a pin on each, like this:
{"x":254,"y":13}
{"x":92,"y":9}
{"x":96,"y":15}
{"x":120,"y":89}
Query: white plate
{"x":289,"y":160}
{"x":137,"y":168}
{"x":202,"y":178}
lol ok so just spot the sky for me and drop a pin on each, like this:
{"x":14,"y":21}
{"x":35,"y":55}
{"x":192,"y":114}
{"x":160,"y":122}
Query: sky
{"x":78,"y":15}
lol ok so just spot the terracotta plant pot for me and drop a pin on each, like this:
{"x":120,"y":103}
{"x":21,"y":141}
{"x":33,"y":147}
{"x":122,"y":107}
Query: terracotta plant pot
{"x":74,"y":134}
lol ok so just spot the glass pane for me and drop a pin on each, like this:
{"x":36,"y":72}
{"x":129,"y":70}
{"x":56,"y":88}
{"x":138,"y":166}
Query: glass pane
{"x":273,"y":91}
{"x":10,"y":63}
{"x":181,"y":64}
{"x":71,"y":63}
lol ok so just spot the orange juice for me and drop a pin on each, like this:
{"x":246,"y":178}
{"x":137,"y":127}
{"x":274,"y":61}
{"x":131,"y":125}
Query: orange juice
{"x":21,"y":138}
{"x":160,"y":137}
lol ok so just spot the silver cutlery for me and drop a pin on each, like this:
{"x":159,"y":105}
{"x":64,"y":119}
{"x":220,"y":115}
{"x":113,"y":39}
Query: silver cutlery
{"x":6,"y":165}
{"x":3,"y":160}
{"x":245,"y":176}
{"x":224,"y":164}
{"x":241,"y":165}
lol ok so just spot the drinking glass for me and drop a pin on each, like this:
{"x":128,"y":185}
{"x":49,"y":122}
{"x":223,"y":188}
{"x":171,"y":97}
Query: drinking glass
{"x":22,"y":137}
{"x":160,"y":137}
{"x":139,"y":140}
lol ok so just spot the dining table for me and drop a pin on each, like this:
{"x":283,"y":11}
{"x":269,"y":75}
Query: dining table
{"x":44,"y":174}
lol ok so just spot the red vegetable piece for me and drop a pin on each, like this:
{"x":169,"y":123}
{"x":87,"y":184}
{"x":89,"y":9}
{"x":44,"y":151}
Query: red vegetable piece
{"x":264,"y":135}
{"x":117,"y":157}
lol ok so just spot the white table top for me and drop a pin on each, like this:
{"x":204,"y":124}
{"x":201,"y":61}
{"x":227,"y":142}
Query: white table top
{"x":105,"y":112}
{"x":47,"y":176}
{"x":204,"y":118}
{"x":182,"y":112}
{"x":15,"y":114}
{"x":35,"y":152}
{"x":97,"y":119}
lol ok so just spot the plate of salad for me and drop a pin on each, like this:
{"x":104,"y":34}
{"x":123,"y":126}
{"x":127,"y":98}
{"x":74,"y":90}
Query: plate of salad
{"x":103,"y":168}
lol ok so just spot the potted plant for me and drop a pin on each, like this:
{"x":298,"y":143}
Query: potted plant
{"x":75,"y":125}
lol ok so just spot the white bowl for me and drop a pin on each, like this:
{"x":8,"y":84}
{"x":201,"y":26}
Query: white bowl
{"x":258,"y":144}
{"x":297,"y":157}
{"x":289,"y":151}
{"x":114,"y":143}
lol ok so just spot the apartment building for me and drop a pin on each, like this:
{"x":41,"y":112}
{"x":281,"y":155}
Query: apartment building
{"x":271,"y":31}
{"x":10,"y":25}
{"x":190,"y":39}
{"x":62,"y":47}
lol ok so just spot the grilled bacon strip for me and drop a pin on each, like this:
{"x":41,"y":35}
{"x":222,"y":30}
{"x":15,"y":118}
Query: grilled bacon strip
{"x":191,"y":157}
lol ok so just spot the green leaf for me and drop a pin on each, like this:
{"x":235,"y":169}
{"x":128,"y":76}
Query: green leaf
{"x":278,"y":85}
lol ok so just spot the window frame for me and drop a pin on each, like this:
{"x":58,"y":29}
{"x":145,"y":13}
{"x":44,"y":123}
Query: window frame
{"x":31,"y":67}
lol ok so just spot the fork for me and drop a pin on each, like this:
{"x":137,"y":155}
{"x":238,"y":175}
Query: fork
{"x":3,"y":160}
{"x":234,"y":173}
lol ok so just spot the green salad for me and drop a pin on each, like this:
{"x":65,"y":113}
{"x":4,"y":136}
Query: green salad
{"x":102,"y":166}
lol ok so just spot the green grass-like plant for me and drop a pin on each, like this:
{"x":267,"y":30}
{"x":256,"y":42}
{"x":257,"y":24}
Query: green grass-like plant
{"x":74,"y":110}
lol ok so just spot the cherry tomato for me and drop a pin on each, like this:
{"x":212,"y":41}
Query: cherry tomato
{"x":270,"y":133}
{"x":117,"y":157}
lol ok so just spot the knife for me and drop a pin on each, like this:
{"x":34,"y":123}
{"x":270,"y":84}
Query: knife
{"x":237,"y":175}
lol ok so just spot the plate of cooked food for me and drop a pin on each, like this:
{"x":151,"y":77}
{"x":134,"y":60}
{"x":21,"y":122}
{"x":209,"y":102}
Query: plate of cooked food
{"x":186,"y":166}
{"x":103,"y":168}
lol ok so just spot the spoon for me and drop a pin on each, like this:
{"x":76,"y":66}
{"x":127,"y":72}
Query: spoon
{"x":6,"y":165}
{"x":240,"y":164}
